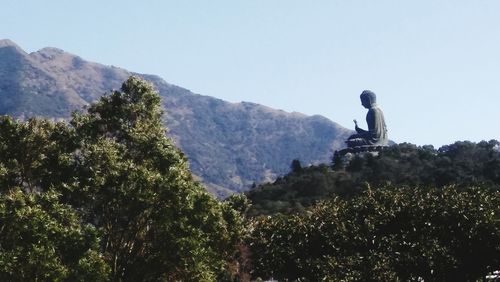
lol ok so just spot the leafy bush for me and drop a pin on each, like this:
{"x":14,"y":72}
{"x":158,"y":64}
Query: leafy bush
{"x":385,"y":234}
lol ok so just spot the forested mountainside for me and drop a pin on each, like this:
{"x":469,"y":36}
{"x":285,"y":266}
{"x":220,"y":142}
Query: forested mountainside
{"x":462,"y":164}
{"x":229,"y":145}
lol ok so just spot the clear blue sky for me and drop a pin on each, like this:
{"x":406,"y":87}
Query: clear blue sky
{"x":435,"y":65}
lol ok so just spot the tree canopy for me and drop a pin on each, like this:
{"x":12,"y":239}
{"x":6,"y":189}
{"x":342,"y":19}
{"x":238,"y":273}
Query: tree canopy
{"x":113,"y":173}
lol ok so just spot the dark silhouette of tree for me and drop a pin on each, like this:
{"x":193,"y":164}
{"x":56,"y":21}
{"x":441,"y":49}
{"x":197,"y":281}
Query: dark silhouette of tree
{"x":296,"y":166}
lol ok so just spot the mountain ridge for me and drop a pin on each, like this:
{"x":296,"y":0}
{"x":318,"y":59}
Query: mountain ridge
{"x":229,"y":145}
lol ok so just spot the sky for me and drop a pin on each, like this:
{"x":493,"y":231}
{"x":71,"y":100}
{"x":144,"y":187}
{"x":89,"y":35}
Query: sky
{"x":434,"y":64}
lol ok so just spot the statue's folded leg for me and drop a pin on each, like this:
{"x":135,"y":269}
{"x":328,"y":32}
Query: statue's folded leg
{"x":356,"y":141}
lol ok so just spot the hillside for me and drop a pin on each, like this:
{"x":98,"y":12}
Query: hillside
{"x":229,"y":145}
{"x":461,"y":164}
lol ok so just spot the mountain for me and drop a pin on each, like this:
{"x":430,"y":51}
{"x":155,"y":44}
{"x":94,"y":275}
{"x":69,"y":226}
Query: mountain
{"x":229,"y":145}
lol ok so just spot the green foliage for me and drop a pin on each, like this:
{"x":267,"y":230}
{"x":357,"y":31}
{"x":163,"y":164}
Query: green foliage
{"x":158,"y":223}
{"x":115,"y":168}
{"x":33,"y":155}
{"x":461,"y":164}
{"x":300,"y":189}
{"x":384,"y":235}
{"x":44,"y":240}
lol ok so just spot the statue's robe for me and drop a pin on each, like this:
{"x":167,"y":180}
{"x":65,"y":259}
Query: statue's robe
{"x":376,"y":135}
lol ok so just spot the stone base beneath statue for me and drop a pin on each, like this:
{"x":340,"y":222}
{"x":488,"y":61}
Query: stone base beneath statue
{"x":361,"y":149}
{"x":347,"y":154}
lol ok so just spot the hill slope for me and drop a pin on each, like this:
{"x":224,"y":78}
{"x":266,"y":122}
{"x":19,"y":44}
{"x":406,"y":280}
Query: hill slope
{"x":229,"y":145}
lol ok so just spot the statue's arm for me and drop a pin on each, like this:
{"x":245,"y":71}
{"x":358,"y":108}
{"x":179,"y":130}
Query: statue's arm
{"x":359,"y":130}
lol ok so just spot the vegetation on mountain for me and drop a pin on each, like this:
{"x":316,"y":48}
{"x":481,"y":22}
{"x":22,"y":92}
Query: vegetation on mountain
{"x":407,"y":213}
{"x":463,"y":164}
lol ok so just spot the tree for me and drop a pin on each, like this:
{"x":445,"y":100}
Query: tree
{"x":157,"y":221}
{"x":114,"y":177}
{"x":296,"y":166}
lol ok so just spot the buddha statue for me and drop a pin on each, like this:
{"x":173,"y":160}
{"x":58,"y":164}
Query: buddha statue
{"x":376,"y":135}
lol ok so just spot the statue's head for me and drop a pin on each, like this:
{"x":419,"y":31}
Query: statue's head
{"x":368,"y":98}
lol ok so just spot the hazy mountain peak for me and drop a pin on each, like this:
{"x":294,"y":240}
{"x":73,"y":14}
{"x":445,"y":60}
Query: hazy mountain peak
{"x":53,"y":56}
{"x":50,"y":51}
{"x":7,"y":43}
